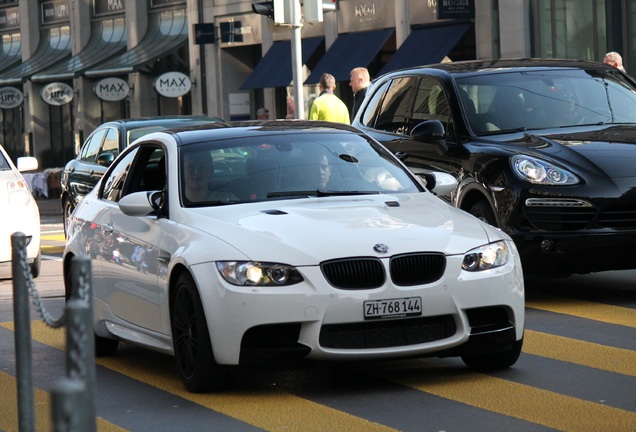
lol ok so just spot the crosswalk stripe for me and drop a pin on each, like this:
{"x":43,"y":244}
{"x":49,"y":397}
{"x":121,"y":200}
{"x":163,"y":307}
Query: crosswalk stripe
{"x":256,"y":405}
{"x":520,"y":401}
{"x":9,"y":421}
{"x":584,"y":309}
{"x":53,"y":237}
{"x":265,"y":407}
{"x":580,"y":352}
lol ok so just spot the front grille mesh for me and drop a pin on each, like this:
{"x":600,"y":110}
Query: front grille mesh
{"x":560,"y":218}
{"x":390,"y":333}
{"x":368,"y":273}
{"x":356,"y":273}
{"x":619,"y":216}
{"x":417,"y":269}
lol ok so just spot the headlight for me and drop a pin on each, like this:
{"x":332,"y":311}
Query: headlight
{"x":541,"y":172}
{"x":486,"y":257}
{"x":256,"y":273}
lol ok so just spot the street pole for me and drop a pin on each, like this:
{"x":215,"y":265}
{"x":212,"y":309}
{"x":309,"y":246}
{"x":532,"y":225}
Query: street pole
{"x":297,"y":56}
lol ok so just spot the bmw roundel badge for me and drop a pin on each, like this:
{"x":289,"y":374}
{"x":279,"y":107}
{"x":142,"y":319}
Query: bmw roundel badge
{"x":380,"y":248}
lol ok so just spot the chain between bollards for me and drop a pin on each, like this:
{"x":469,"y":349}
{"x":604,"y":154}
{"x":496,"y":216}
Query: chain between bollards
{"x":73,"y":397}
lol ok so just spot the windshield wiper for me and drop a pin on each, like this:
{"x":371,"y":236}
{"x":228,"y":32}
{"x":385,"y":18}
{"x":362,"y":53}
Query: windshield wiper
{"x":214,"y":203}
{"x":318,"y":193}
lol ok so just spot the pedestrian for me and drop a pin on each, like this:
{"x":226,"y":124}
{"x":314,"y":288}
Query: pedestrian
{"x":359,"y":80}
{"x":262,"y":114}
{"x":614,"y":59}
{"x":327,"y":106}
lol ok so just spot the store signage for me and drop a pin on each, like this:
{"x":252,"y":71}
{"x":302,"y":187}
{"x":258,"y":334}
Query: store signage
{"x":112,"y":89}
{"x":57,"y":11}
{"x":173,"y":84}
{"x":10,"y":97}
{"x":455,"y":9}
{"x":108,"y":7}
{"x":57,"y":93}
{"x":10,"y":18}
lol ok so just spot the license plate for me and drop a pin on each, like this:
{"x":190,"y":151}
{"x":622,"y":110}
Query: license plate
{"x":393,"y":308}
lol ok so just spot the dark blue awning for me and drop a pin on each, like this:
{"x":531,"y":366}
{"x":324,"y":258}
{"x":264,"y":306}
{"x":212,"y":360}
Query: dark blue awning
{"x":275,"y":68}
{"x":350,"y":50}
{"x":108,"y":38}
{"x":425,"y":46}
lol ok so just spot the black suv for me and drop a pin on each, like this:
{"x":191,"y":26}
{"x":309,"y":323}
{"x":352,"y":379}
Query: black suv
{"x":99,"y":150}
{"x":543,"y":149}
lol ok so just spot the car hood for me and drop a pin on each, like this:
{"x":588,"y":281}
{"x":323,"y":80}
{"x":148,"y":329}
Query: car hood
{"x":310,"y":230}
{"x":607,"y":150}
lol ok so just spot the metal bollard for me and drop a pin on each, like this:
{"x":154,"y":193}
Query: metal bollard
{"x":73,"y":407}
{"x":80,"y":361}
{"x":22,"y":321}
{"x":67,"y":397}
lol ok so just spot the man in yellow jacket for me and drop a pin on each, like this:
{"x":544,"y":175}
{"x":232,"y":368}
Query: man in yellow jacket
{"x":328,"y":106}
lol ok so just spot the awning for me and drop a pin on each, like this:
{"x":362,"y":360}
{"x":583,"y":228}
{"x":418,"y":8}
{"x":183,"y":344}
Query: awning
{"x":167,"y":32}
{"x":55,"y":46}
{"x":11,"y":50}
{"x":108,"y":38}
{"x":275,"y":68}
{"x":350,"y":50}
{"x":426,"y":46}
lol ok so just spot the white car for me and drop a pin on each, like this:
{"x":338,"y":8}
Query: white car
{"x":239,"y":243}
{"x":20,"y":212}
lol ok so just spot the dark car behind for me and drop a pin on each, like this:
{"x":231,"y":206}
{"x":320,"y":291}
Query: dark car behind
{"x":103,"y":145}
{"x":543,"y":149}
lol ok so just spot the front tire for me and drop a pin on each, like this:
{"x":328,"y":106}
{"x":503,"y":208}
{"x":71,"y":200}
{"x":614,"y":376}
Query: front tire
{"x":67,"y":211}
{"x":36,"y":265}
{"x":494,"y":361}
{"x":192,"y":345}
{"x":482,"y":211}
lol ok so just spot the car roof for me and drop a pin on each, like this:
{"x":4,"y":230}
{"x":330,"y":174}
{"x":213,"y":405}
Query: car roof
{"x":507,"y":65}
{"x":241,"y":129}
{"x":168,"y":121}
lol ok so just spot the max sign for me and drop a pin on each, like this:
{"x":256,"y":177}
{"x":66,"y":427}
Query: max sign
{"x":173,"y":84}
{"x":10,"y":97}
{"x":112,"y":89}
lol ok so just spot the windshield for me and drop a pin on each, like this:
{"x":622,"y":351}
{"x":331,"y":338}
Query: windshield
{"x":546,"y":99}
{"x":296,"y":165}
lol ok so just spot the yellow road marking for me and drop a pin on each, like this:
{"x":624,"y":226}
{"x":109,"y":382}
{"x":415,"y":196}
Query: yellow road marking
{"x":584,"y":353}
{"x":520,"y":401}
{"x":263,"y":407}
{"x":54,"y":237}
{"x":9,"y":420}
{"x":584,"y":309}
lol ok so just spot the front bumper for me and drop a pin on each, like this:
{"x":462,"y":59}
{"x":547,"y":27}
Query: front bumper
{"x":579,"y":252}
{"x":317,"y":321}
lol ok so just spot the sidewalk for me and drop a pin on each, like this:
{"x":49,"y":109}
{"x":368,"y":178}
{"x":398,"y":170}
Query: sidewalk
{"x":50,"y":212}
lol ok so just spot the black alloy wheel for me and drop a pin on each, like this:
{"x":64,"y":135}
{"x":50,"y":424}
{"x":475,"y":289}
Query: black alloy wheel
{"x":192,"y":346}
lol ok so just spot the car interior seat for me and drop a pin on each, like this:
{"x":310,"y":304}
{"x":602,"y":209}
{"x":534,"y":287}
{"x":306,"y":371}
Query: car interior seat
{"x":507,"y":110}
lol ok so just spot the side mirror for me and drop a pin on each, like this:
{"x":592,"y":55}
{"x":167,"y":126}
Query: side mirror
{"x":431,"y":132}
{"x":105,"y":159}
{"x":27,"y":163}
{"x":137,"y":204}
{"x":444,"y":183}
{"x":440,"y":183}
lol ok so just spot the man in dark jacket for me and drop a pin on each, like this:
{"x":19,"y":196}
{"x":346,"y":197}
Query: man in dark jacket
{"x":359,"y":81}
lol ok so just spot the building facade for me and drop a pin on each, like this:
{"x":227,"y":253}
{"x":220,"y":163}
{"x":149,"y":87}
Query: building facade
{"x":69,"y":65}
